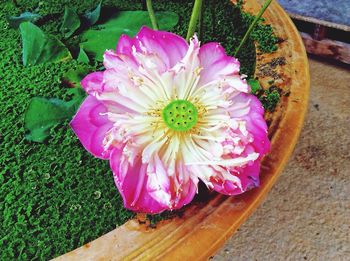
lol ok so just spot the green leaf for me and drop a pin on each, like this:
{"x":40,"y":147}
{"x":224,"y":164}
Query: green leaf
{"x":105,"y":36}
{"x":93,"y":16}
{"x":15,"y":21}
{"x":82,"y":57}
{"x":73,"y":77}
{"x":39,"y":47}
{"x":71,"y":22}
{"x":78,"y":96}
{"x":254,"y":85}
{"x":42,"y":114}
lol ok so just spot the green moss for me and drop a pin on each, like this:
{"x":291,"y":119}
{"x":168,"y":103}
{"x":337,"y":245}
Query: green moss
{"x":56,"y":196}
{"x":270,"y":98}
{"x":262,"y":34}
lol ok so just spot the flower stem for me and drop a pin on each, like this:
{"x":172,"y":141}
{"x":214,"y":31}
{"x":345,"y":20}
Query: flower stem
{"x":152,"y":16}
{"x":194,"y":18}
{"x":200,"y":22}
{"x":251,"y":27}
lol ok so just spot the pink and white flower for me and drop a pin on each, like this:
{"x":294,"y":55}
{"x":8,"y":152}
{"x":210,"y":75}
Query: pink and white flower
{"x":166,"y":115}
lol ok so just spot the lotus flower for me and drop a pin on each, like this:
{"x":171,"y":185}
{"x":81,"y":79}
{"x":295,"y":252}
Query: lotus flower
{"x":167,"y":114}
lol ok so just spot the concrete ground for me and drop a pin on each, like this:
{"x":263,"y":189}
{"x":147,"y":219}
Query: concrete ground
{"x":306,"y":216}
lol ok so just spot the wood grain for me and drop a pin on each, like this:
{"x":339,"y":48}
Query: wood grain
{"x":205,"y":226}
{"x":313,"y":20}
{"x":327,"y":48}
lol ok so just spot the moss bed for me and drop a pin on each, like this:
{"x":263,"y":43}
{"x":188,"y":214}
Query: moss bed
{"x":55,"y":196}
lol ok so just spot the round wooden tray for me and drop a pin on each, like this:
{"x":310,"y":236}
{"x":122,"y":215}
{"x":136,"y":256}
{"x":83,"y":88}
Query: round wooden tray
{"x":204,"y":227}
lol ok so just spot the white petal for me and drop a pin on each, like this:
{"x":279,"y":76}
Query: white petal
{"x":229,"y":162}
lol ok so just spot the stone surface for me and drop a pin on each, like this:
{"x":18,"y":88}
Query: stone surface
{"x":306,"y":216}
{"x":335,"y":11}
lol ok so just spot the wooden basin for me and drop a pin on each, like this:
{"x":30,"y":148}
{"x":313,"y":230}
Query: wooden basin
{"x":204,"y":227}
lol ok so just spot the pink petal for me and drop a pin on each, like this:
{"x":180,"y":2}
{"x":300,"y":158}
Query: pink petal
{"x":188,"y":187}
{"x":255,"y":123}
{"x":111,"y":60}
{"x":121,"y":62}
{"x":248,"y":178}
{"x":92,"y":83}
{"x":125,"y":44}
{"x":90,"y":126}
{"x":158,"y":183}
{"x":216,"y":63}
{"x":256,"y":126}
{"x":132,"y":184}
{"x":188,"y":190}
{"x":113,"y":78}
{"x":170,"y":47}
{"x":246,"y":107}
{"x":150,"y":193}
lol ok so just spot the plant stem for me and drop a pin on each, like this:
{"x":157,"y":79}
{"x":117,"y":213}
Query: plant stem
{"x":200,"y":22}
{"x":251,"y":27}
{"x":194,"y":18}
{"x":152,"y":16}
